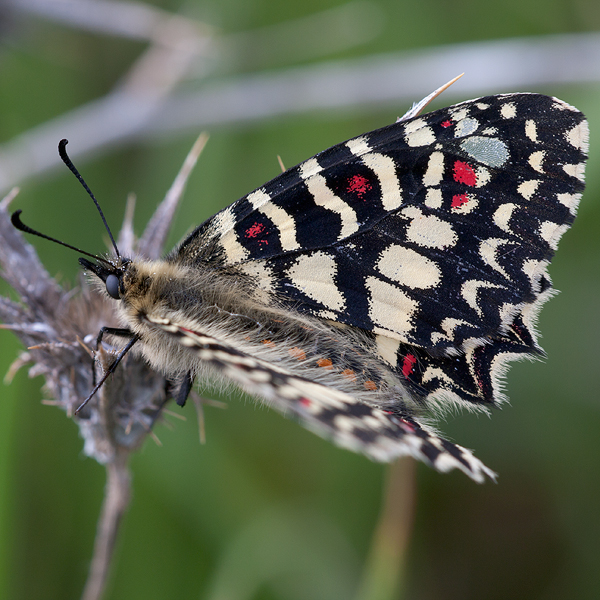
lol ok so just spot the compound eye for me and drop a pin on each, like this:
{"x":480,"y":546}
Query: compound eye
{"x":112,"y":286}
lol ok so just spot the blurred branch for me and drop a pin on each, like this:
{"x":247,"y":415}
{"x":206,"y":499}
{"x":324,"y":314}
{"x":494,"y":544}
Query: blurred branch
{"x":132,"y":20}
{"x":385,"y":80}
{"x":315,"y":35}
{"x":146,"y":104}
{"x":176,"y":43}
{"x":305,"y":38}
{"x":384,"y":569}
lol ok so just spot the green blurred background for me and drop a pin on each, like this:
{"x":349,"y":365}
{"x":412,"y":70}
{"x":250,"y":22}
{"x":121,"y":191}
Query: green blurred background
{"x":266,"y":510}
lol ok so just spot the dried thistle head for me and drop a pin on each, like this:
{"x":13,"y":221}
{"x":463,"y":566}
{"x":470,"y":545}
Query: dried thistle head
{"x":59,"y":327}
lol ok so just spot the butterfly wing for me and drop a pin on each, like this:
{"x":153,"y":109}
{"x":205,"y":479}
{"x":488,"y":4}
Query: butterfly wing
{"x":460,"y":210}
{"x":432,"y":236}
{"x":434,"y":232}
{"x":380,"y":434}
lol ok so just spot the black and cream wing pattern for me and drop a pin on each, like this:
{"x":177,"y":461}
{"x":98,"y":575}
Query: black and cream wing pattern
{"x":405,"y":267}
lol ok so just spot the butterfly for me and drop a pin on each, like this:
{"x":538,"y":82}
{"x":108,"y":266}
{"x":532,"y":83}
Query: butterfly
{"x":379,"y":283}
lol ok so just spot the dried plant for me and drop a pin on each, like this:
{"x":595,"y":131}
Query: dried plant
{"x":59,"y":328}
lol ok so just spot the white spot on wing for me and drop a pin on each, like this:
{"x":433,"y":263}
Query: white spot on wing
{"x":508,"y":111}
{"x":224,"y":223}
{"x":577,"y":170}
{"x":552,"y":232}
{"x":432,"y":373}
{"x":358,"y":146}
{"x":385,"y":169}
{"x":469,"y":291}
{"x":435,"y":170}
{"x":327,"y":314}
{"x":428,"y":230}
{"x":578,"y":136}
{"x":387,"y":348}
{"x":344,"y":423}
{"x":408,"y":268}
{"x":418,"y":133}
{"x":433,"y":198}
{"x":438,"y":337}
{"x":531,"y":130}
{"x":460,"y":114}
{"x":483,"y":176}
{"x":571,"y":201}
{"x":533,"y":269}
{"x":323,"y":196}
{"x":284,"y":223}
{"x":315,"y":275}
{"x":528,"y":188}
{"x":309,"y":168}
{"x":449,"y":325}
{"x":488,"y":249}
{"x":536,"y":161}
{"x":389,"y":306}
{"x":258,"y":198}
{"x":503,"y":215}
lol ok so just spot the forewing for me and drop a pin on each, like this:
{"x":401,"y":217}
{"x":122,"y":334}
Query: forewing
{"x":434,"y":231}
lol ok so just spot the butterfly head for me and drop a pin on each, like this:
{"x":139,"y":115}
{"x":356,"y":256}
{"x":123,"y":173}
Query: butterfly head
{"x":111,"y":274}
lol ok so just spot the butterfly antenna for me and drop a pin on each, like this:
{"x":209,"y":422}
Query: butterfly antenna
{"x":62,"y":151}
{"x":15,"y":219}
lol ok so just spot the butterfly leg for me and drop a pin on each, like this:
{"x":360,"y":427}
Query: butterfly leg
{"x":184,"y":388}
{"x":111,"y":331}
{"x":110,"y":370}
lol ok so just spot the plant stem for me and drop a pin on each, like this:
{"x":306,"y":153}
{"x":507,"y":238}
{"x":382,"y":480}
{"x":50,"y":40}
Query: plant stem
{"x":116,"y":500}
{"x":383,"y":577}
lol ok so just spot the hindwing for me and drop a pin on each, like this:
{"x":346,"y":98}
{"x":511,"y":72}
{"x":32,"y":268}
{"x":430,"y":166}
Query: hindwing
{"x":381,"y":434}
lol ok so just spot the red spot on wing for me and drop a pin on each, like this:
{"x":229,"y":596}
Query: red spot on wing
{"x":464,"y":173}
{"x":398,"y":420}
{"x":446,"y":123}
{"x":459,"y":200}
{"x":408,"y":364}
{"x":256,"y":230}
{"x":407,"y":425}
{"x":359,"y":185}
{"x":305,"y":402}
